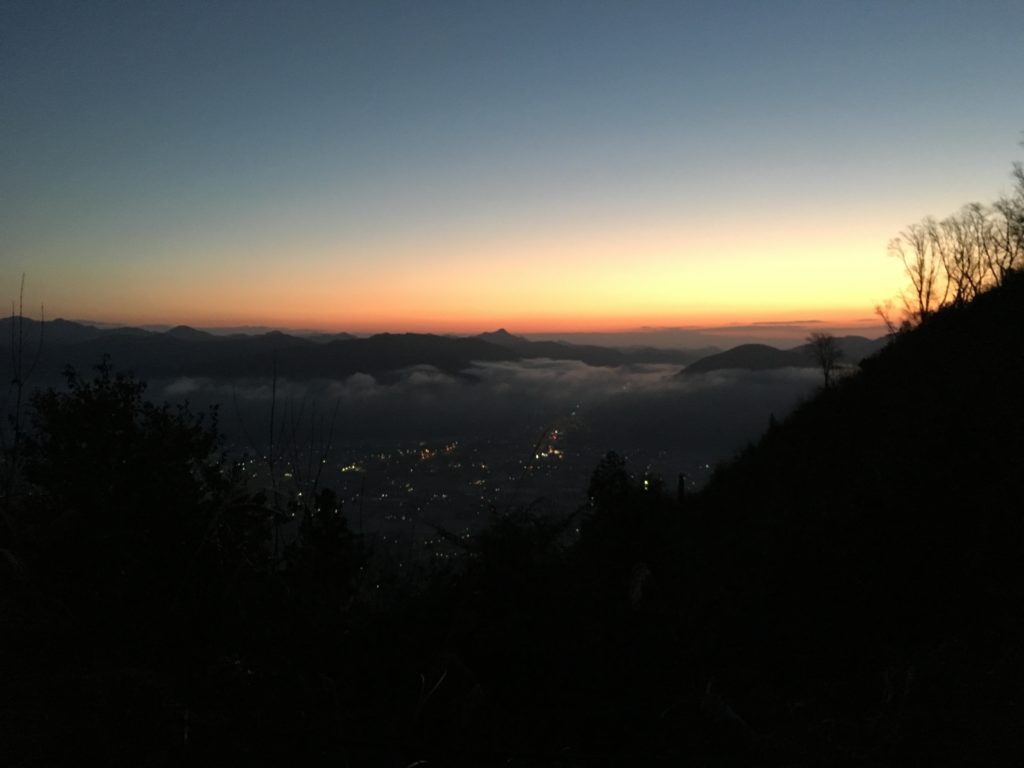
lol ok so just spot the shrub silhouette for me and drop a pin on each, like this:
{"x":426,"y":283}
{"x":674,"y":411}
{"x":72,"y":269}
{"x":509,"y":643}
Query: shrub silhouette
{"x":130,"y":498}
{"x":145,"y":560}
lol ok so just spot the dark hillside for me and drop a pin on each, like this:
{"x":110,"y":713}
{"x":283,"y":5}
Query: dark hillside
{"x":860,"y":569}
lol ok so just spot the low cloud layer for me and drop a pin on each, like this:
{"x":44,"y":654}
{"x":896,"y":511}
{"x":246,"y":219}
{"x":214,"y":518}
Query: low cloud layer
{"x":646,"y":407}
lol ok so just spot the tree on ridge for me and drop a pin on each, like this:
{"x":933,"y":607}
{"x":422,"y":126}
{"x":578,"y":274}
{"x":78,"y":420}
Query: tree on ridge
{"x":826,"y":352}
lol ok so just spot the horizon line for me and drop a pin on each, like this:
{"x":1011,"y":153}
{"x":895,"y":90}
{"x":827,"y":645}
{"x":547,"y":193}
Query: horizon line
{"x":754,"y":326}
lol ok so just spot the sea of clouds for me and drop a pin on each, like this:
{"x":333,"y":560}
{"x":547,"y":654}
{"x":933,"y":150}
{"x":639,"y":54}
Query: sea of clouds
{"x":647,"y":406}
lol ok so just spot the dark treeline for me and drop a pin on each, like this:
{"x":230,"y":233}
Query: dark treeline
{"x":849,"y":591}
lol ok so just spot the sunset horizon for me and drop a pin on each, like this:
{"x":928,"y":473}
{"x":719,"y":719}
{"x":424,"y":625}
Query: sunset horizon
{"x":772,"y":323}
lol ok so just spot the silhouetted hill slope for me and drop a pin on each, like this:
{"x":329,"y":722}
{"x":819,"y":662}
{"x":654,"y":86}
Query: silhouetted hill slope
{"x":393,"y":351}
{"x":589,"y":353}
{"x":757,"y":357}
{"x":858,"y":572}
{"x":750,"y":356}
{"x":856,"y":348}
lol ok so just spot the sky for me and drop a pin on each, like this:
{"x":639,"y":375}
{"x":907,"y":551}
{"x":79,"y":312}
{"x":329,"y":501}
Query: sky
{"x":460,"y":166}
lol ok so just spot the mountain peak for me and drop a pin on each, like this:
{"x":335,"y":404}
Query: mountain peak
{"x":188,"y":333}
{"x":501,"y":336}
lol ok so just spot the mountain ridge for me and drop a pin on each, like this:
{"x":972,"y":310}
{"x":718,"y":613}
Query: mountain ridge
{"x":760,"y":357}
{"x":187,"y":351}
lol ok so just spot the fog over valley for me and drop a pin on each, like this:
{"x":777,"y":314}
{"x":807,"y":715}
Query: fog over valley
{"x":642,"y":404}
{"x":430,"y":447}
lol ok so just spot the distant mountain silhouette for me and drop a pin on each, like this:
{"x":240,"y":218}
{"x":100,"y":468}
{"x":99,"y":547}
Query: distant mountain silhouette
{"x":180,"y":351}
{"x":589,"y":353}
{"x":759,"y":357}
{"x":502,"y":337}
{"x":187,"y":351}
{"x":321,"y":337}
{"x":748,"y":356}
{"x":186,"y":333}
{"x":60,"y":331}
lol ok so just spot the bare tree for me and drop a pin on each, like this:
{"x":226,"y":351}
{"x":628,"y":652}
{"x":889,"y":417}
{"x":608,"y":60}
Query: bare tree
{"x":892,"y":324}
{"x":963,"y":255}
{"x":963,"y":242}
{"x":824,"y":348}
{"x":1008,"y":230}
{"x":915,"y":248}
{"x":1008,"y":238}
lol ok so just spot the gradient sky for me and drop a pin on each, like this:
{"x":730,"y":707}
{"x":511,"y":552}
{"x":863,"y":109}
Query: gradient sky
{"x":456,"y":166}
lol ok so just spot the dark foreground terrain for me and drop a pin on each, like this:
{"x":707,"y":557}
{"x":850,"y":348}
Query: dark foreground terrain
{"x":849,"y":591}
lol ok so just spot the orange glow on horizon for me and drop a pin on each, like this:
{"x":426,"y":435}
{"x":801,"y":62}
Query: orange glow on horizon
{"x":722,"y":323}
{"x":449,"y":314}
{"x":603,"y":281}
